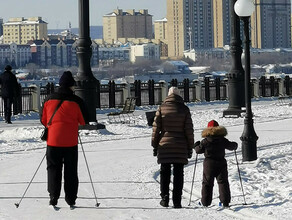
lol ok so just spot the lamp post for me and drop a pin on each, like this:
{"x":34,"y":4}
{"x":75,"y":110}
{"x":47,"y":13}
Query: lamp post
{"x":244,"y":9}
{"x":86,"y":83}
{"x":236,"y":73}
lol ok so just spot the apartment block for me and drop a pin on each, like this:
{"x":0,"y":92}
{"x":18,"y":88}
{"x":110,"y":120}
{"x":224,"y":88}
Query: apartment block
{"x":190,"y":25}
{"x":21,"y":30}
{"x":160,"y":30}
{"x":1,"y":27}
{"x":144,"y":52}
{"x":271,"y":24}
{"x":176,"y":27}
{"x":47,"y":53}
{"x":127,"y":24}
{"x":16,"y":54}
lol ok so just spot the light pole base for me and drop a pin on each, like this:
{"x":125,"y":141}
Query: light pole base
{"x":232,"y":112}
{"x":249,"y":141}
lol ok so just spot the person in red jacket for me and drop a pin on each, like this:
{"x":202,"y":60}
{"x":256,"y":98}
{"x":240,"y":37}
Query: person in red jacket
{"x":62,"y":139}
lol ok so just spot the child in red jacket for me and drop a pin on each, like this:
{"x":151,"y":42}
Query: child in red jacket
{"x":215,"y":166}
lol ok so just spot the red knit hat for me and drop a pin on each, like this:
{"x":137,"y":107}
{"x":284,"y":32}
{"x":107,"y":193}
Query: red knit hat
{"x":212,"y":124}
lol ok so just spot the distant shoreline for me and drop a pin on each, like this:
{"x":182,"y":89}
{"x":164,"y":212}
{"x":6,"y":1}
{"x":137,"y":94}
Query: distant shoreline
{"x":96,"y":32}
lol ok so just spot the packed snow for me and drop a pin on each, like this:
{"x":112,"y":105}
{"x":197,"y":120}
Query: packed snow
{"x":126,"y":176}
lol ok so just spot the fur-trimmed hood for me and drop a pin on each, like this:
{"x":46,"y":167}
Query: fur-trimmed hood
{"x":218,"y":131}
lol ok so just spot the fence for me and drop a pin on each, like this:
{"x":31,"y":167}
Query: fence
{"x":113,"y":95}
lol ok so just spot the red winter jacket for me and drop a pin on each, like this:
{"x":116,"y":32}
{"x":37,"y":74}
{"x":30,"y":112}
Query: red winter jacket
{"x":63,"y":131}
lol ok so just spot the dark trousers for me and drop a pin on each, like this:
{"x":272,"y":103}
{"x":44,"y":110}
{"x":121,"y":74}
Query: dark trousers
{"x":178,"y":181}
{"x":215,"y":169}
{"x":7,"y":108}
{"x":56,"y":157}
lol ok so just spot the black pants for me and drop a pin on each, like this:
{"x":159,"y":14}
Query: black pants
{"x":56,"y":157}
{"x":7,"y":108}
{"x":215,"y":169}
{"x":178,"y":181}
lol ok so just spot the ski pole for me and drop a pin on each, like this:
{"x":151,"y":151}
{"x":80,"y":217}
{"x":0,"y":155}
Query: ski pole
{"x":17,"y":204}
{"x":193,"y":179}
{"x":97,"y":204}
{"x":240,"y":178}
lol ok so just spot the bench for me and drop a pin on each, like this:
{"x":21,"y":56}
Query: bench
{"x":128,"y":108}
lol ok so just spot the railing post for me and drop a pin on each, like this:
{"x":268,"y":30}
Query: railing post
{"x":186,"y":90}
{"x":207,"y":89}
{"x":98,"y":94}
{"x":263,"y":84}
{"x":272,"y":86}
{"x":174,"y":82}
{"x":35,"y":95}
{"x":126,"y":91}
{"x":217,"y":86}
{"x":151,"y":91}
{"x":281,"y":87}
{"x":287,"y":85}
{"x":112,"y":91}
{"x":198,"y":87}
{"x":164,"y":89}
{"x":256,"y":87}
{"x":137,"y":85}
{"x":17,"y":102}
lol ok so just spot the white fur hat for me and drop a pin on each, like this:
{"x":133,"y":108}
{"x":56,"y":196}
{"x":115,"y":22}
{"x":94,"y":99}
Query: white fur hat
{"x":173,"y":90}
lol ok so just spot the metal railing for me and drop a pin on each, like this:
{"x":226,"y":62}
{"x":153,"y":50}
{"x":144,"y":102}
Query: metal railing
{"x":113,"y":95}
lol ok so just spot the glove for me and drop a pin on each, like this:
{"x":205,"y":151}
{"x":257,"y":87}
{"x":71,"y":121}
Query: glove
{"x":155,"y":152}
{"x":197,"y":143}
{"x":190,"y":154}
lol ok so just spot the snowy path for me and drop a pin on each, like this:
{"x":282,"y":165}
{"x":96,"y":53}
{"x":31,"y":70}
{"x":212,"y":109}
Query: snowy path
{"x":126,"y":175}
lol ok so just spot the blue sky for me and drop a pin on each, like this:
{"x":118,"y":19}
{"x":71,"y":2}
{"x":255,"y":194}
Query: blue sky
{"x":58,"y":13}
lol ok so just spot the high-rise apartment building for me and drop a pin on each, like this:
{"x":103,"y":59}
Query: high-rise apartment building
{"x":221,"y":23}
{"x":1,"y":27}
{"x":128,"y":24}
{"x":271,"y":24}
{"x":160,"y":29}
{"x":20,"y":30}
{"x":176,"y":27}
{"x":190,"y":25}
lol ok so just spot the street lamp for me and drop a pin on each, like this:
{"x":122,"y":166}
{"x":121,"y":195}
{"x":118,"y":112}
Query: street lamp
{"x":86,"y":83}
{"x":236,"y":73}
{"x":244,"y":9}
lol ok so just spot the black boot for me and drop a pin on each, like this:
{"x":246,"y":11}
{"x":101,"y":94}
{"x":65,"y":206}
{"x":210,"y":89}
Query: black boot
{"x":164,"y":201}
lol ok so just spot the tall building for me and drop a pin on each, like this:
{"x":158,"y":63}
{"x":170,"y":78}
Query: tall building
{"x":190,"y":25}
{"x":1,"y":27}
{"x":128,"y":24}
{"x":21,"y":31}
{"x":221,"y":23}
{"x":271,"y":24}
{"x":160,"y":29}
{"x":176,"y":27}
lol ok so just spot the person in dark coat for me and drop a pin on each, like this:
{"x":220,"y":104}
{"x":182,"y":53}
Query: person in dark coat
{"x":215,"y":166}
{"x":9,"y":87}
{"x":172,"y":142}
{"x":62,"y":139}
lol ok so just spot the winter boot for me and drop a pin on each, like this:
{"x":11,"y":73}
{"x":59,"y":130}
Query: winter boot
{"x":164,"y":201}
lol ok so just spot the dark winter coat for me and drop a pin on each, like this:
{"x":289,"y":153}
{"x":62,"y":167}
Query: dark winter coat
{"x":63,"y":131}
{"x":9,"y":84}
{"x":215,"y":166}
{"x":214,"y":143}
{"x":173,"y":133}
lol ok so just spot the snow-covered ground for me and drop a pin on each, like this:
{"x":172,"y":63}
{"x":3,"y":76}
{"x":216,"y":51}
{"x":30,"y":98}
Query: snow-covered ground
{"x":126,"y":176}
